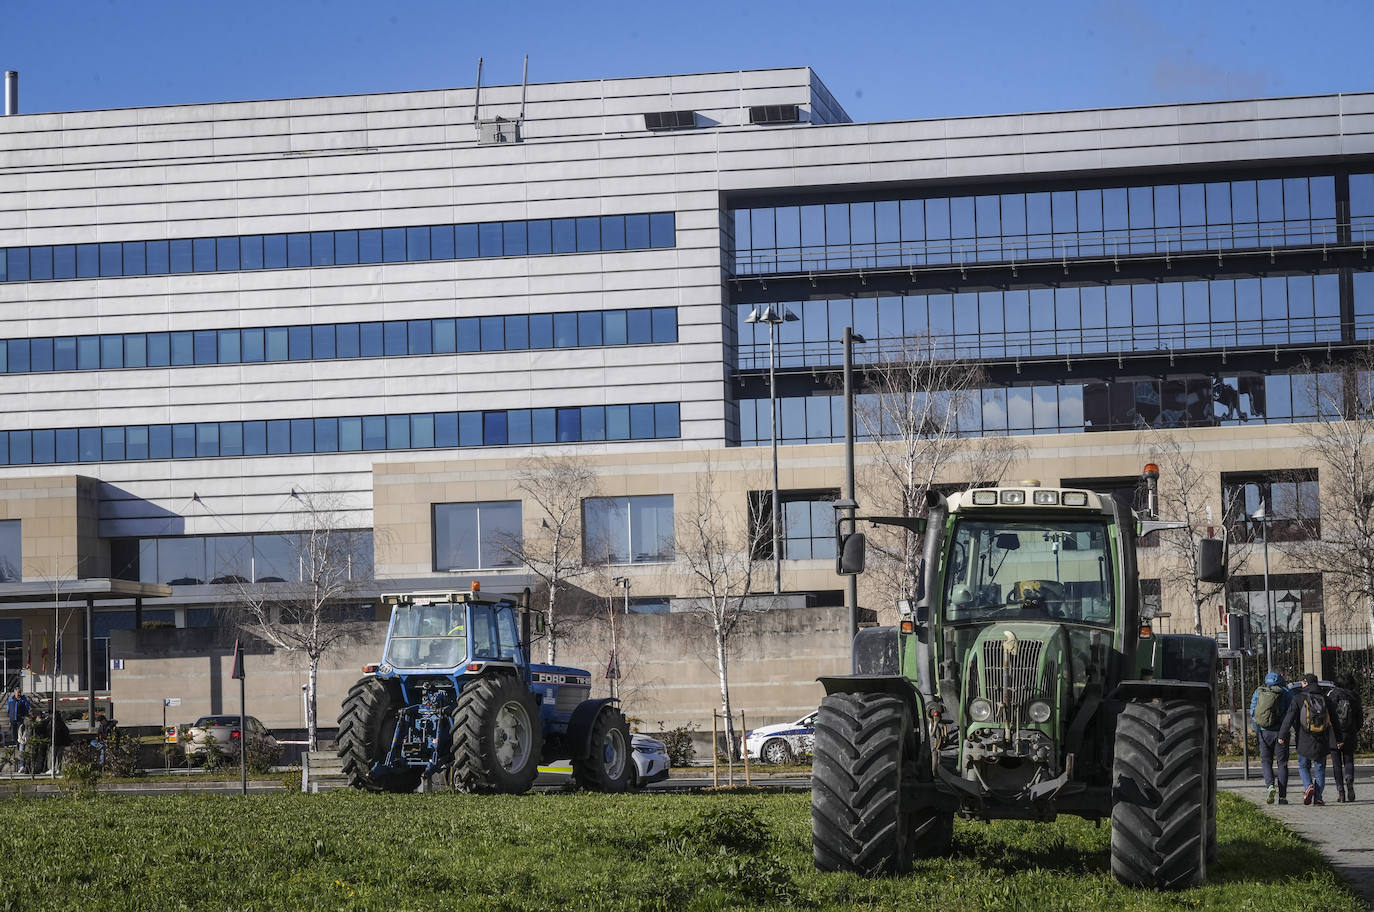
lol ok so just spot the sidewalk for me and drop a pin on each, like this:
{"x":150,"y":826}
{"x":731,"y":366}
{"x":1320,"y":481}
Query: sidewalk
{"x":1343,"y":833}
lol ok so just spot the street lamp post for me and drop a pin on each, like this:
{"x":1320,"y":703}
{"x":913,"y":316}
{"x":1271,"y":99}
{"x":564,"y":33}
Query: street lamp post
{"x":1260,"y":517}
{"x":774,"y":316}
{"x":851,"y":586}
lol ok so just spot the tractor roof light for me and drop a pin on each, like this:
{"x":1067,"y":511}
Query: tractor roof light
{"x":476,"y":586}
{"x":1151,"y":471}
{"x":1075,"y":498}
{"x":1044,"y":497}
{"x":985,"y":497}
{"x":1013,"y":496}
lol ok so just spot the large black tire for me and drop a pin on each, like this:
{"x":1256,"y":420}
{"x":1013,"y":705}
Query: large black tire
{"x":1212,"y":849}
{"x":863,"y":752}
{"x":608,"y":766}
{"x":496,"y":738}
{"x":366,"y":726}
{"x":1160,"y":794}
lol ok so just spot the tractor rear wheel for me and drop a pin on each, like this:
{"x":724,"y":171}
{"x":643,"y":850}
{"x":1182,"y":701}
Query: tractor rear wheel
{"x":1160,"y":794}
{"x":608,"y":766}
{"x":496,"y":737}
{"x":367,"y":725}
{"x":863,"y":753}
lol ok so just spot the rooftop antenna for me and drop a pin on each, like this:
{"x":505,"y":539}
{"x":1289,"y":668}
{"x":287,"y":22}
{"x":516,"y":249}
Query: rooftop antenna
{"x":524,"y":81}
{"x":477,"y":96}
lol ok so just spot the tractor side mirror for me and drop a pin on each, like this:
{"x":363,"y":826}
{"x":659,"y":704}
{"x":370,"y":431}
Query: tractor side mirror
{"x":850,"y":560}
{"x":1211,"y":560}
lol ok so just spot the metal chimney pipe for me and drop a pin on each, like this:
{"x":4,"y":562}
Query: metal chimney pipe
{"x":11,"y":92}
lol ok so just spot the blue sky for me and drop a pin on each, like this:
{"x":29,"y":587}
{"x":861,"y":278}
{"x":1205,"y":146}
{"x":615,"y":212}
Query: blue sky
{"x":882,"y":60}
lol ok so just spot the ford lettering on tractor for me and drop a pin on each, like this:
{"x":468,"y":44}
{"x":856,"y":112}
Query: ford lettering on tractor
{"x":1023,"y":683}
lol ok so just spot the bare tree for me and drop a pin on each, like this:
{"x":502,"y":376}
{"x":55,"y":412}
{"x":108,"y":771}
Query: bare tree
{"x":554,"y":485}
{"x":307,"y":610}
{"x":719,"y":552}
{"x":1341,"y":443}
{"x":917,"y":406}
{"x":1187,"y":494}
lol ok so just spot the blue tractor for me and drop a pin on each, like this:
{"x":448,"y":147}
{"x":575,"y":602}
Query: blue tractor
{"x":456,"y":695}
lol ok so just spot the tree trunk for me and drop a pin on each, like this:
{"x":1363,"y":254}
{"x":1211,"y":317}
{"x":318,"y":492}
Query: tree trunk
{"x":552,"y":650}
{"x":311,"y":711}
{"x":722,"y":670}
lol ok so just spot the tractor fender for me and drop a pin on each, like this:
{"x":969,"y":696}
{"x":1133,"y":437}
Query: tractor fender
{"x":897,"y":685}
{"x":1140,"y":691}
{"x":580,"y":725}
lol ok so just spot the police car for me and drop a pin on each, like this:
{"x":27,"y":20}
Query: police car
{"x":783,"y":742}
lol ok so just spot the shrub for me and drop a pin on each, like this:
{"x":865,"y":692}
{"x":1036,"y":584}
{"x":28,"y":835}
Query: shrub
{"x":36,"y":755}
{"x":261,"y":756}
{"x":81,"y":769}
{"x":679,"y":744}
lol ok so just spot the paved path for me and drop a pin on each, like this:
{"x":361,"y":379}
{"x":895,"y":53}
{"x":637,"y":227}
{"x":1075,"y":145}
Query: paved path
{"x":1344,"y":833}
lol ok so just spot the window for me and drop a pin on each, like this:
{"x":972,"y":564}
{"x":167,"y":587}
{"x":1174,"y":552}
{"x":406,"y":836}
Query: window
{"x":1288,"y":499}
{"x":347,"y":247}
{"x":808,"y":523}
{"x":628,"y":530}
{"x":471,"y":536}
{"x":1292,"y":594}
{"x":11,"y":551}
{"x":327,"y":341}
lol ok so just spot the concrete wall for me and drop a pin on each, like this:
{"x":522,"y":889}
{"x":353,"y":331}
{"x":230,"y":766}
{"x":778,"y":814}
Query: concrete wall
{"x":666,"y":660}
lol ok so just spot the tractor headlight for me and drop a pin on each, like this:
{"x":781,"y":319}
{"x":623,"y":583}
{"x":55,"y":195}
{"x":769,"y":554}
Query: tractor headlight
{"x":1039,"y":711}
{"x":384,"y":668}
{"x":980,"y":710}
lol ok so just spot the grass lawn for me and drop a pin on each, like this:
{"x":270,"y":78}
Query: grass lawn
{"x":347,"y":850}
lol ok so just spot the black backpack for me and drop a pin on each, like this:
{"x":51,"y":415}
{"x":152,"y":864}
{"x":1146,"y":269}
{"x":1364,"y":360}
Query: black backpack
{"x":1343,"y":709}
{"x":1315,"y":718}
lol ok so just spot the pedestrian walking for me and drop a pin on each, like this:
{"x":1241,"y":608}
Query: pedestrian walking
{"x":1268,"y":706}
{"x":17,"y":709}
{"x":1347,"y":716}
{"x":1309,"y":717}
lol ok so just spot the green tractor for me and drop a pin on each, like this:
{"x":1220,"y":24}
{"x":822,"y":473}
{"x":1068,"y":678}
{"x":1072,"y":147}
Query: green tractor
{"x":1024,"y":683}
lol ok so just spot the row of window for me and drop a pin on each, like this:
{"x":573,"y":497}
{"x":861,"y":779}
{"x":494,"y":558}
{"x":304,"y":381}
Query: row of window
{"x":1066,"y":223}
{"x":201,"y":440}
{"x":193,"y":560}
{"x":1276,"y":310}
{"x":324,"y":341}
{"x":533,"y":237}
{"x":1186,"y":401}
{"x":615,"y":530}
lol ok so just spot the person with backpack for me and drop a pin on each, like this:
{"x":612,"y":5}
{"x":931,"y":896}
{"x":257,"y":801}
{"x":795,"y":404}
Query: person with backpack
{"x":1310,"y":718}
{"x":1348,"y":715}
{"x":1268,"y":705}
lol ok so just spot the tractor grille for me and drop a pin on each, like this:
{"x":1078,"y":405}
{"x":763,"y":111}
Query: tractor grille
{"x":570,"y":695}
{"x":1019,"y":676}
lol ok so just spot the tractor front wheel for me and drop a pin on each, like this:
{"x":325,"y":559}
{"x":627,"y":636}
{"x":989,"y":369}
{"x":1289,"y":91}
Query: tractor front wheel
{"x":367,"y":725}
{"x":1160,"y":790}
{"x":496,"y":738}
{"x":608,"y":766}
{"x":863,"y":752}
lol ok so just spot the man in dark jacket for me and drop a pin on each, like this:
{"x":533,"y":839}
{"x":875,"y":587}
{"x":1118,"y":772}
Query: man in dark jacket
{"x":16,"y":710}
{"x":1347,"y":713}
{"x":1310,"y":718}
{"x":1268,"y":705}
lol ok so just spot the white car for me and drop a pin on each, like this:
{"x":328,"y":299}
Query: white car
{"x":650,"y":761}
{"x":783,"y":742}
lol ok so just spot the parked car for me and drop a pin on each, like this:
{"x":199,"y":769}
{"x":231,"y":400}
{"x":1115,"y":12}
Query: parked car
{"x":650,"y":760}
{"x":783,"y":742}
{"x":226,"y":734}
